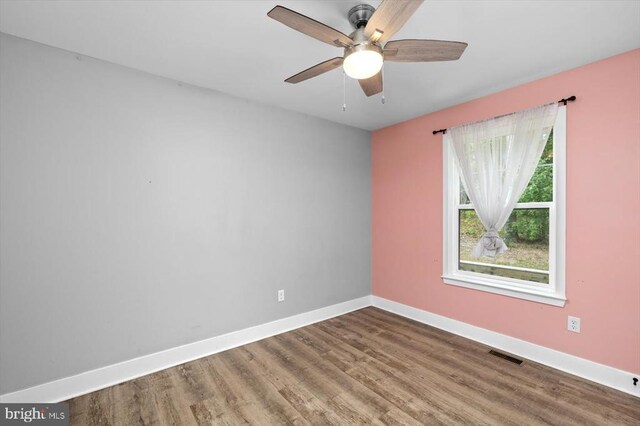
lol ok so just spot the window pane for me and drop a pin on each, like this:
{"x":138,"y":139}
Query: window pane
{"x":527,"y":236}
{"x":464,"y":198}
{"x":540,"y":188}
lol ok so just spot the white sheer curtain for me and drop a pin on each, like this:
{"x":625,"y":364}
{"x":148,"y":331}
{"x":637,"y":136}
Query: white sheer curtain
{"x":496,"y":159}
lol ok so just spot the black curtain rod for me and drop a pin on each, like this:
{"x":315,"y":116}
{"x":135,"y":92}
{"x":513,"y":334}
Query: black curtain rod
{"x":561,"y":101}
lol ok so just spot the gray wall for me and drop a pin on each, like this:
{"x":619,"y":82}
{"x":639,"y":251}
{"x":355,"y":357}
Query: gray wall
{"x":138,"y":214}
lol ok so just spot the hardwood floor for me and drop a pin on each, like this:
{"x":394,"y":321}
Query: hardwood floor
{"x":366,"y":367}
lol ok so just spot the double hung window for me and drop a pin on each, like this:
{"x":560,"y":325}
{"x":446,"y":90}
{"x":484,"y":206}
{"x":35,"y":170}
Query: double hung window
{"x":533,"y":266}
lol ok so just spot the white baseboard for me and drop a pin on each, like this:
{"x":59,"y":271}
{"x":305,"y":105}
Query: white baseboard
{"x":90,"y":381}
{"x":599,"y":373}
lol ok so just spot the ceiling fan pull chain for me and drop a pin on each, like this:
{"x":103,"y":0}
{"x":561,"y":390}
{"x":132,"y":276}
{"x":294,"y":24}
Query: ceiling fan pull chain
{"x":344,"y":91}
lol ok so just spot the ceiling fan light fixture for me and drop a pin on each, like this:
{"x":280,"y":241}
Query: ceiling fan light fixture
{"x":362,"y":61}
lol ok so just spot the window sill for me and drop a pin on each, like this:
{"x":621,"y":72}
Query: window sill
{"x":494,"y":286}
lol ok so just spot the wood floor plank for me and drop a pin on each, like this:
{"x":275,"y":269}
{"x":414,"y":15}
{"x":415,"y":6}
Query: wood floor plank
{"x":365,"y":367}
{"x":309,"y":406}
{"x":207,"y":412}
{"x":260,"y":402}
{"x":397,"y":417}
{"x":330,"y":376}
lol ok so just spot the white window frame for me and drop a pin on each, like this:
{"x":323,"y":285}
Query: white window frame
{"x":552,"y":293}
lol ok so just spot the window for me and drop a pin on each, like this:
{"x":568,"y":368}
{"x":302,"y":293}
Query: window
{"x":533,"y":267}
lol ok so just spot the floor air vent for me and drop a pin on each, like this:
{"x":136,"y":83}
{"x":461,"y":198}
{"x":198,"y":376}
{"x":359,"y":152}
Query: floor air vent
{"x":505,"y":356}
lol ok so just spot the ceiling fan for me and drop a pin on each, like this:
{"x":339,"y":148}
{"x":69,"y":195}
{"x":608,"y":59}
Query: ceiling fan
{"x":368,"y":46}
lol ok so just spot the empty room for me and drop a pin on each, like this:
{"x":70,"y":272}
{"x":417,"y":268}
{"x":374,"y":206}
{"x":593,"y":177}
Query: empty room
{"x":266,"y":212}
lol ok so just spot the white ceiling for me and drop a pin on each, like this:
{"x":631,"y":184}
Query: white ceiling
{"x":233,"y":47}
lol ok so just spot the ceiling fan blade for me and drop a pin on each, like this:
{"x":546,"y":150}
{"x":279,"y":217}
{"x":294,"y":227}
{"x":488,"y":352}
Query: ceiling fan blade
{"x":423,"y":50}
{"x":315,"y":70}
{"x":309,"y":26}
{"x":371,"y":86}
{"x":389,"y":17}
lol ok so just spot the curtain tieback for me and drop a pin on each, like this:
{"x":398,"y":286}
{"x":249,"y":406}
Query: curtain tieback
{"x":490,"y":244}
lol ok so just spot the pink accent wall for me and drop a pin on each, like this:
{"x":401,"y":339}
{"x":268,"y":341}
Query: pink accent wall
{"x":603,"y":216}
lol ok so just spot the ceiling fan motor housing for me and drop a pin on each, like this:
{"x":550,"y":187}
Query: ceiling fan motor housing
{"x":360,"y":42}
{"x":359,"y":15}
